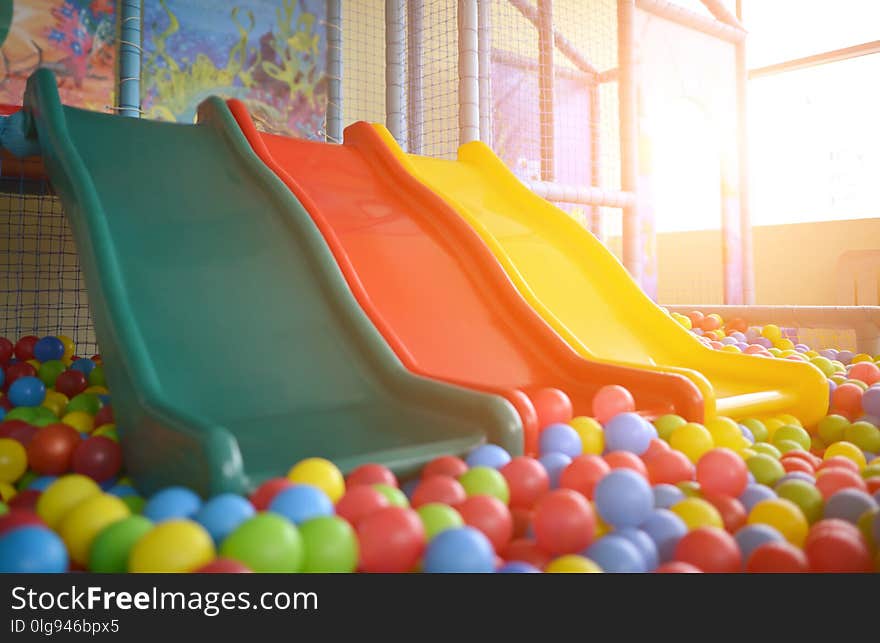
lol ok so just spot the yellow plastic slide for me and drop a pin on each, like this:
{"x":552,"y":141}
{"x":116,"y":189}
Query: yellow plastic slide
{"x":583,"y":291}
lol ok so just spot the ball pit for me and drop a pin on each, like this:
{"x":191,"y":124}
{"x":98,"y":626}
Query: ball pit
{"x":612,"y":491}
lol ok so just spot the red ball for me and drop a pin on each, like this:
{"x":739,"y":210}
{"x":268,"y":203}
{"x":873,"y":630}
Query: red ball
{"x":17,"y":370}
{"x":677,"y":567}
{"x":522,"y":520}
{"x":872,"y":484}
{"x":360,"y":501}
{"x":491,"y":516}
{"x":5,"y":404}
{"x":526,"y":551}
{"x":50,"y":452}
{"x":626,"y":460}
{"x":583,"y":474}
{"x":836,"y":551}
{"x":796,"y":464}
{"x":72,"y":383}
{"x":655,"y":447}
{"x":98,"y":457}
{"x":6,"y":351}
{"x":777,"y":558}
{"x":24,"y":348}
{"x":391,"y":540}
{"x":835,"y":479}
{"x":266,"y":492}
{"x":733,"y":513}
{"x":368,"y":474}
{"x":18,"y":430}
{"x":104,"y":415}
{"x":848,"y":398}
{"x":552,"y":406}
{"x":710,"y":549}
{"x":866,"y":372}
{"x":26,"y":499}
{"x":832,"y":526}
{"x":806,"y":456}
{"x":442,"y":489}
{"x":564,"y":522}
{"x":611,"y":400}
{"x":839,"y":462}
{"x":224,"y":566}
{"x":19,"y":517}
{"x":527,"y":481}
{"x":722,"y":471}
{"x":671,"y":467}
{"x":445,"y":465}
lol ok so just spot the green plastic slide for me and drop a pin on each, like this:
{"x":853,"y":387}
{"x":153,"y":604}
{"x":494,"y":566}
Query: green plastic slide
{"x":233,"y":346}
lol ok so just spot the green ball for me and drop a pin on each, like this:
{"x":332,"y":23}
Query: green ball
{"x":766,"y":469}
{"x":266,"y":543}
{"x":96,"y":377}
{"x":767,"y":449}
{"x":759,"y":431}
{"x":871,"y":471}
{"x":823,"y":364}
{"x":28,"y":477}
{"x":437,"y":517}
{"x":666,"y":424}
{"x":864,"y":435}
{"x":24,"y":413}
{"x":858,"y":383}
{"x":485,"y":481}
{"x":88,"y":402}
{"x":804,"y":495}
{"x":786,"y":446}
{"x":794,"y":433}
{"x":394,"y":496}
{"x":331,"y":546}
{"x":135,"y":504}
{"x":865,"y":523}
{"x":831,"y":428}
{"x":4,"y":508}
{"x":110,"y":549}
{"x":49,"y":371}
{"x":43,"y":417}
{"x":690,"y":488}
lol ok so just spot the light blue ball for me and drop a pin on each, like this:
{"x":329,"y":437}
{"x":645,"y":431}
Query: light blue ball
{"x":624,"y":498}
{"x":795,"y":475}
{"x":518,"y":567}
{"x":666,"y":495}
{"x":560,"y":438}
{"x":750,"y":537}
{"x":488,"y":455}
{"x":747,"y":433}
{"x":222,"y":514}
{"x":554,"y":463}
{"x":27,"y":391}
{"x":84,"y":366}
{"x":121,"y":490}
{"x":848,"y":505}
{"x":616,"y":555}
{"x":644,"y":544}
{"x":755,"y":493}
{"x":629,"y":432}
{"x":462,"y":550}
{"x":40,"y":484}
{"x":172,"y":503}
{"x":665,"y":529}
{"x":301,"y":502}
{"x":32,"y":550}
{"x":409,"y":487}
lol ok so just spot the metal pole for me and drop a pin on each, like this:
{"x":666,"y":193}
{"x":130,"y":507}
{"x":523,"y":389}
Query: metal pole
{"x":129,"y":99}
{"x":415,"y":123}
{"x":546,"y":46}
{"x":629,"y":150}
{"x":334,"y":71}
{"x":468,"y":72}
{"x":395,"y":75}
{"x":485,"y":48}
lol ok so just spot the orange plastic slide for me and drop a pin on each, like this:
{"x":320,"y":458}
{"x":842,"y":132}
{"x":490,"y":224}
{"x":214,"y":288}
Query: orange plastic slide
{"x":433,"y":289}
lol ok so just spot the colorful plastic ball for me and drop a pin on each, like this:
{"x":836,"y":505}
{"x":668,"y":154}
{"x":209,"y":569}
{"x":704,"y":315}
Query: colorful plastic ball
{"x":558,"y":438}
{"x":13,"y":460}
{"x":847,"y":399}
{"x":666,"y":495}
{"x":175,"y":546}
{"x":805,"y":495}
{"x":490,"y":516}
{"x":725,"y":433}
{"x":488,"y":455}
{"x":830,"y":481}
{"x":551,"y":406}
{"x":392,"y":540}
{"x":665,"y":529}
{"x":670,"y":467}
{"x":792,"y":465}
{"x":784,"y":516}
{"x":7,"y":350}
{"x":583,"y":473}
{"x":832,"y":549}
{"x":301,"y":502}
{"x":368,"y":474}
{"x":99,"y":458}
{"x":624,"y":498}
{"x":85,"y":402}
{"x":626,"y":460}
{"x":847,"y":450}
{"x":172,"y":503}
{"x":32,"y":550}
{"x":696,"y":512}
{"x":690,"y":488}
{"x":396,"y":497}
{"x":7,"y":492}
{"x":721,"y":471}
{"x":4,"y":509}
{"x":692,"y":439}
{"x":24,"y":347}
{"x":611,"y":400}
{"x":485,"y":481}
{"x":777,"y":558}
{"x":25,"y":499}
{"x":459,"y":550}
{"x":48,"y":348}
{"x":111,"y":548}
{"x":79,"y":420}
{"x":446,"y":465}
{"x":49,"y":372}
{"x":527,"y":481}
{"x":666,"y":424}
{"x":63,"y":495}
{"x":86,"y":520}
{"x":864,"y":435}
{"x":629,"y":432}
{"x":517,"y":567}
{"x":710,"y":549}
{"x":733,"y":514}
{"x":831,"y":428}
{"x":616,"y":555}
{"x":437,"y":488}
{"x":222,"y":514}
{"x":564,"y":522}
{"x":554,"y":464}
{"x":572,"y":564}
{"x":266,"y":543}
{"x":18,"y":430}
{"x":655,"y":447}
{"x":320,"y":473}
{"x":18,"y":517}
{"x":96,"y":377}
{"x":223,"y":566}
{"x":677,"y":567}
{"x":43,"y":417}
{"x":525,"y":550}
{"x":757,"y":428}
{"x":104,"y":416}
{"x":849,"y":505}
{"x":438,"y":517}
{"x":360,"y":501}
{"x":765,"y":469}
{"x":331,"y":546}
{"x":266,"y":492}
{"x":644,"y":543}
{"x":83,"y":365}
{"x":591,"y":433}
{"x":27,"y":391}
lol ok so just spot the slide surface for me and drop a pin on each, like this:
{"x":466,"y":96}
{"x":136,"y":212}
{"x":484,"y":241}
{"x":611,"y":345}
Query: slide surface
{"x":581,"y":289}
{"x":233,"y":345}
{"x":432,"y":287}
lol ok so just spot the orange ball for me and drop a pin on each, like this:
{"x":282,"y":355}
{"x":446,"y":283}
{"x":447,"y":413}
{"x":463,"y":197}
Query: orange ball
{"x":847,"y":398}
{"x":867,"y":372}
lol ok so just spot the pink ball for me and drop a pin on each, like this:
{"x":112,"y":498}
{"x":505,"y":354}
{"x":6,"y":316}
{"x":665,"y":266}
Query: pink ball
{"x":391,"y":540}
{"x":442,"y":489}
{"x":368,"y":474}
{"x":611,"y":400}
{"x":359,"y":502}
{"x":723,"y":472}
{"x":490,"y":516}
{"x":583,"y":474}
{"x":564,"y":522}
{"x":677,"y":567}
{"x":527,"y":481}
{"x":445,"y":465}
{"x":866,"y":372}
{"x":552,"y":406}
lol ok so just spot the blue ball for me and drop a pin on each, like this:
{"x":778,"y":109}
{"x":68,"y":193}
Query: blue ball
{"x":518,"y":567}
{"x":848,"y":505}
{"x":629,"y":432}
{"x":2,"y":376}
{"x":488,"y":455}
{"x":222,"y":514}
{"x":409,"y":487}
{"x":755,"y":493}
{"x":40,"y":484}
{"x":554,"y":463}
{"x":32,"y":550}
{"x":2,"y":413}
{"x":665,"y":529}
{"x":462,"y":550}
{"x":301,"y":502}
{"x":795,"y":475}
{"x":644,"y":544}
{"x":560,"y":438}
{"x":747,"y":433}
{"x":624,"y":498}
{"x":666,"y":495}
{"x":122,"y":490}
{"x":171,"y":503}
{"x":108,"y":484}
{"x":27,"y":391}
{"x":85,"y":366}
{"x":616,"y":554}
{"x":751,"y":537}
{"x":49,"y":348}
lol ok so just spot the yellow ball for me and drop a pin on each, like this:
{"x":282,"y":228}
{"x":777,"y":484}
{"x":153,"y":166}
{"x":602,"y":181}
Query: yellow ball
{"x":7,"y":491}
{"x":783,"y":515}
{"x":13,"y":460}
{"x":696,"y":512}
{"x":692,"y":439}
{"x":172,"y":547}
{"x":775,"y":352}
{"x":86,"y":520}
{"x":69,"y":347}
{"x":602,"y":527}
{"x":811,"y":354}
{"x":104,"y":429}
{"x":747,"y":453}
{"x":35,"y":363}
{"x":772,"y":424}
{"x":784,"y":344}
{"x":730,"y":348}
{"x":787,"y":418}
{"x":591,"y":433}
{"x":861,"y":357}
{"x":56,"y":402}
{"x":320,"y":473}
{"x":684,"y":320}
{"x":63,"y":495}
{"x":97,"y":390}
{"x":725,"y":433}
{"x":847,"y":450}
{"x":572,"y":564}
{"x":79,"y":420}
{"x":771,"y":332}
